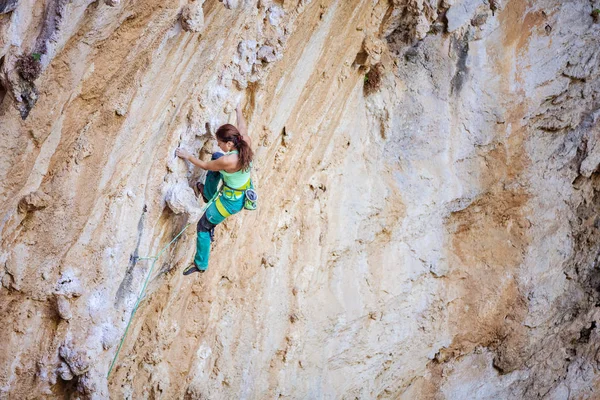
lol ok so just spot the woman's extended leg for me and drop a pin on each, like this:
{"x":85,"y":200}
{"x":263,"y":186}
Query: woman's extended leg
{"x":207,"y":223}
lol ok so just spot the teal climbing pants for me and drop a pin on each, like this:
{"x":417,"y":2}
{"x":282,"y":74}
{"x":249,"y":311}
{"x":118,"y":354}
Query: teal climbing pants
{"x":230,"y":201}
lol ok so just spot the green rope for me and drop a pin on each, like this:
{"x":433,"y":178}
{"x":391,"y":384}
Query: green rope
{"x":141,"y":296}
{"x":137,"y":303}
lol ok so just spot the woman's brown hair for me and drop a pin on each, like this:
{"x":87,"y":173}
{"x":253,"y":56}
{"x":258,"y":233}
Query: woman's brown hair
{"x":229,"y":133}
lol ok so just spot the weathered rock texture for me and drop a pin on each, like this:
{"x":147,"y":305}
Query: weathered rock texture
{"x":429,"y":199}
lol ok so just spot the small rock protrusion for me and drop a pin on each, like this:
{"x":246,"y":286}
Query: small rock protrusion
{"x":370,"y":54}
{"x":437,"y":27}
{"x":267,"y":54}
{"x":78,"y":362}
{"x":33,"y":201}
{"x":411,"y":55}
{"x":29,"y":66}
{"x":112,"y":3}
{"x":17,"y":76}
{"x":373,"y":79}
{"x":230,"y":4}
{"x":192,"y":17}
{"x":7,"y":281}
{"x":68,"y":285}
{"x":479,"y":20}
{"x":121,"y":109}
{"x":181,"y":200}
{"x":267,"y":261}
{"x":63,"y":307}
{"x":65,"y":372}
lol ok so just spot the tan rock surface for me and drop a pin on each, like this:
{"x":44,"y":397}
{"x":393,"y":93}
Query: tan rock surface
{"x":430,"y":236}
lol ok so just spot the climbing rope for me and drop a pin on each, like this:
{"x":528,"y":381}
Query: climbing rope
{"x":141,"y":296}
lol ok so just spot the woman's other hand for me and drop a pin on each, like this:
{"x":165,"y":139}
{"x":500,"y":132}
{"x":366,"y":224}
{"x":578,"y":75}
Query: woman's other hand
{"x":183,"y":153}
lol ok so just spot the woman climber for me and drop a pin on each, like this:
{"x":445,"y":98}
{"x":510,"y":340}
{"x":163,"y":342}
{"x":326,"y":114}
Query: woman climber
{"x":233,"y":167}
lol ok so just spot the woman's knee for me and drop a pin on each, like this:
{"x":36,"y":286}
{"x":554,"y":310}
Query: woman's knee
{"x":204,"y":225}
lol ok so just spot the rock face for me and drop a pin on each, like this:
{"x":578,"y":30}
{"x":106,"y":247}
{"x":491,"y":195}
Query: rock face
{"x":428,"y":232}
{"x":192,"y":17}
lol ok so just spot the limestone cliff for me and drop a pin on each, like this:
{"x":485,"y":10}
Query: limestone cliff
{"x":429,"y":199}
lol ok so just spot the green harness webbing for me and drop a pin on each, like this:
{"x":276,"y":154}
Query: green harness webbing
{"x":141,"y":296}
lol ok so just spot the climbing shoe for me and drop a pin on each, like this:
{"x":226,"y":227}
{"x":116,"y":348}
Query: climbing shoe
{"x":200,"y":191}
{"x":191,"y":269}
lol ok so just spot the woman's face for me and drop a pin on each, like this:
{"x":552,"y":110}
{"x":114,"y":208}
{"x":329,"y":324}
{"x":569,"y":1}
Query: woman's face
{"x":225,"y":146}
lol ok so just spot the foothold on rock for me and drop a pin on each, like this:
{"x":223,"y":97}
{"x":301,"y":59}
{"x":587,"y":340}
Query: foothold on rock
{"x":64,"y":307}
{"x":34,"y":201}
{"x":192,"y":17}
{"x":7,"y":6}
{"x":112,"y":3}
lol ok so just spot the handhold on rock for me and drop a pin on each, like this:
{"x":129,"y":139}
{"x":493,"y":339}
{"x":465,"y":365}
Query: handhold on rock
{"x":181,"y":199}
{"x":192,"y":17}
{"x":7,"y":6}
{"x":112,"y":3}
{"x":34,"y":201}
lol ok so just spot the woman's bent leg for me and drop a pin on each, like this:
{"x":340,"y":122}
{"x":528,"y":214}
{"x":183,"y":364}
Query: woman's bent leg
{"x":211,"y":183}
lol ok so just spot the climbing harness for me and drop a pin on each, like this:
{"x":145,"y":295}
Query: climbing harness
{"x":250,"y":197}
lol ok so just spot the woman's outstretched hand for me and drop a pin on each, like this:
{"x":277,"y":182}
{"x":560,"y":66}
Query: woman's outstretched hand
{"x":183,"y":153}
